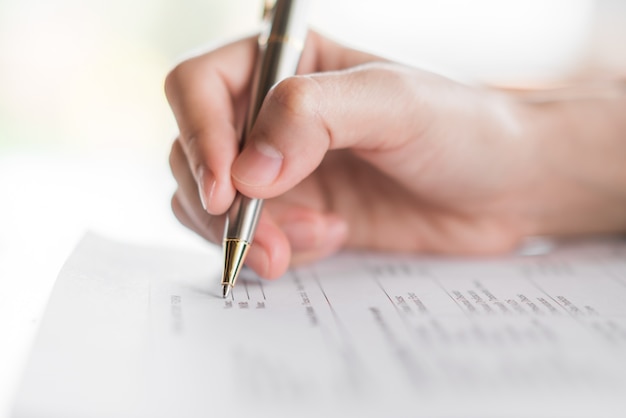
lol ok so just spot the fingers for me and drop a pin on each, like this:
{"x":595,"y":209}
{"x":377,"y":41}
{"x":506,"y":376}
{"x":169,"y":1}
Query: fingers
{"x":305,"y":116}
{"x":299,"y":235}
{"x":186,"y":203}
{"x":208,"y":96}
{"x":312,"y":235}
{"x":270,"y":254}
{"x":288,"y":235}
{"x":205,"y":94}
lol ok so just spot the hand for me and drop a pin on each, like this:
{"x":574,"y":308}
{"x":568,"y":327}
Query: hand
{"x":357,"y":153}
{"x":360,"y":153}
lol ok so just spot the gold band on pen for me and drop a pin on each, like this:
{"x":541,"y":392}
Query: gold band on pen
{"x":281,"y":39}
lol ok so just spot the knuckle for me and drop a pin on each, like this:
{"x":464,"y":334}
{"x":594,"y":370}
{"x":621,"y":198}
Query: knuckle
{"x":176,"y":153}
{"x":297,"y":96}
{"x":176,"y":207}
{"x":171,"y":82}
{"x":175,"y":78}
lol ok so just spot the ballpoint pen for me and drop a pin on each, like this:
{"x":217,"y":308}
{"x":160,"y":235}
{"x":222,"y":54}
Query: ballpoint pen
{"x":280,"y":47}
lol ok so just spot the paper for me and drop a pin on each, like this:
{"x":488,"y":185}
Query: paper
{"x":143,"y":332}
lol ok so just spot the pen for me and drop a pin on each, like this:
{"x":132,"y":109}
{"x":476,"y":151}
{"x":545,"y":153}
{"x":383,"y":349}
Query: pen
{"x":280,"y":46}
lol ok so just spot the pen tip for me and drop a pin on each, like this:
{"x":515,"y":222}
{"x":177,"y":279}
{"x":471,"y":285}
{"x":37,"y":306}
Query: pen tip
{"x":235,"y":251}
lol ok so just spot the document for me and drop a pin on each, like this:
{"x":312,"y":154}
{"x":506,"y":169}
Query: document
{"x":132,"y":331}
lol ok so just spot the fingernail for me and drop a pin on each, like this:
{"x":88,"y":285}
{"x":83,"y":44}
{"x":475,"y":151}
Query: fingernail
{"x":258,"y":165}
{"x":206,"y":186}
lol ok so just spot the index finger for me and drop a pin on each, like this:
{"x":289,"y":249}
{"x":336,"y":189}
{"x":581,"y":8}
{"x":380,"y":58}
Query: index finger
{"x":206,"y":94}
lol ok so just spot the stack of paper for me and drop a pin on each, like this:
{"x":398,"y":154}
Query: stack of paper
{"x":144,"y":332}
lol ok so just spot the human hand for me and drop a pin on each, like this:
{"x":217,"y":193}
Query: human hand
{"x":357,"y":153}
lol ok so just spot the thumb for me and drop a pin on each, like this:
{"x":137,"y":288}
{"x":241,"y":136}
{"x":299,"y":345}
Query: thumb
{"x":366,"y":108}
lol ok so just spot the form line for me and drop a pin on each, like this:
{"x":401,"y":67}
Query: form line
{"x":261,"y":286}
{"x":245,"y":286}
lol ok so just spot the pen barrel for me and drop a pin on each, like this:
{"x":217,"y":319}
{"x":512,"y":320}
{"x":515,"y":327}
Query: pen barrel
{"x":280,"y":47}
{"x":242,"y":218}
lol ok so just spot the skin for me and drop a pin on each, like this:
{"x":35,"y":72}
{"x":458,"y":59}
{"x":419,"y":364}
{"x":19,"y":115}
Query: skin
{"x":357,"y":152}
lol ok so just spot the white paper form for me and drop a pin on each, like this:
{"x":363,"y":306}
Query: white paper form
{"x":141,"y":332}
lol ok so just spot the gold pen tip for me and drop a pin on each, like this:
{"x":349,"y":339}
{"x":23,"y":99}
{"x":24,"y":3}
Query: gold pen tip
{"x":235,"y":251}
{"x":225,"y":291}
